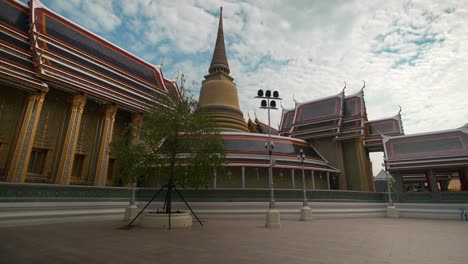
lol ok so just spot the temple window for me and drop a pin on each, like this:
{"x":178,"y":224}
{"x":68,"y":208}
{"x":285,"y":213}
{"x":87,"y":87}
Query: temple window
{"x":37,"y":160}
{"x":78,"y":162}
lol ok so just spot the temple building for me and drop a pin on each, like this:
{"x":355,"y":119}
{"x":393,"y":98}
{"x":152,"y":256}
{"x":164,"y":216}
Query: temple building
{"x":64,"y":94}
{"x":338,"y":128}
{"x":433,"y":162}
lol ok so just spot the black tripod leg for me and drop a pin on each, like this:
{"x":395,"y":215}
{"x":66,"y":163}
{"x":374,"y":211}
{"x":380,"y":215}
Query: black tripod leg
{"x":169,"y":203}
{"x":165,"y":200}
{"x":162,"y":188}
{"x":169,"y":220}
{"x":180,"y":195}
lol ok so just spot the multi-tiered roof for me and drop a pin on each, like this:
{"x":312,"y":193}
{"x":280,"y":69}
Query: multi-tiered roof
{"x":39,"y":45}
{"x":340,"y":116}
{"x":439,"y":149}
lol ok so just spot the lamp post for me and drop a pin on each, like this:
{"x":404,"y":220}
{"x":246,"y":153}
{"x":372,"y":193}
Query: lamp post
{"x":132,"y":210}
{"x":269,"y":102}
{"x":301,"y":157}
{"x":392,"y":211}
{"x":389,"y":185}
{"x":306,"y":212}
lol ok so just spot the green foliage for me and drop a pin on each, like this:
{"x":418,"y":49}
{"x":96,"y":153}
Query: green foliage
{"x":178,"y":141}
{"x":130,"y":160}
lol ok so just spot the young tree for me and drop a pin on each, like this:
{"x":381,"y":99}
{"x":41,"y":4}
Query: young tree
{"x":178,"y":140}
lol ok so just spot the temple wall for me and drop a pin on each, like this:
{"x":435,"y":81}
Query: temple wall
{"x":352,"y":163}
{"x":256,"y":177}
{"x":320,"y":180}
{"x":11,"y":107}
{"x":229,"y":177}
{"x":350,"y":157}
{"x":332,"y":151}
{"x":282,"y":178}
{"x":67,"y":125}
{"x":49,"y":135}
{"x":357,"y":166}
{"x":87,"y":143}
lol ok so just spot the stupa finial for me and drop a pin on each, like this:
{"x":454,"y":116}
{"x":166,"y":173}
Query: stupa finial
{"x":219,"y":62}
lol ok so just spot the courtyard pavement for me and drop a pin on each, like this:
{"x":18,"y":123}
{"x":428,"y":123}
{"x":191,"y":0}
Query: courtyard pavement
{"x":357,"y":240}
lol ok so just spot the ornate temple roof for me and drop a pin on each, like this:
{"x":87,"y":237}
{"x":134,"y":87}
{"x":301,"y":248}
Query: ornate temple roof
{"x":339,"y":116}
{"x":248,"y":150}
{"x":16,"y":64}
{"x":317,"y":118}
{"x":255,"y":126}
{"x":219,"y":61}
{"x":434,"y":149}
{"x":354,"y":115}
{"x":287,"y":118}
{"x":392,"y":126}
{"x":40,"y":45}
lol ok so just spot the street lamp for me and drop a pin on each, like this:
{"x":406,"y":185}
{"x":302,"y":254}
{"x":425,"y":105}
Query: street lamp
{"x":392,"y":211}
{"x":389,"y":185}
{"x":306,"y":212}
{"x":269,"y":102}
{"x":301,"y":157}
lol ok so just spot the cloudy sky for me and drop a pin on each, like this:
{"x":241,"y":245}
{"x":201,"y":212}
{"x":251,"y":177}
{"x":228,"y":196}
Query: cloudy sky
{"x":410,"y":53}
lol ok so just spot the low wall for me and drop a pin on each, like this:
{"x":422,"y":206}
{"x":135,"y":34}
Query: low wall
{"x":26,"y":204}
{"x":31,"y":213}
{"x":263,"y":195}
{"x":430,"y":210}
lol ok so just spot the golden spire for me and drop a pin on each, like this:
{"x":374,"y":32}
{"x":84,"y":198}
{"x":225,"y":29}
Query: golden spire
{"x":219,"y":61}
{"x":218,"y":93}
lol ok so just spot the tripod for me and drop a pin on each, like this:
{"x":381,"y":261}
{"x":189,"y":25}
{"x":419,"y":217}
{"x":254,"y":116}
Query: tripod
{"x":167,"y":204}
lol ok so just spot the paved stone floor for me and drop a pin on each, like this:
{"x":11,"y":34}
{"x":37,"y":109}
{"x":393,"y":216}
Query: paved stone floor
{"x":362,"y":240}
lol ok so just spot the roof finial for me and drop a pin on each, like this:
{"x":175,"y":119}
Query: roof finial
{"x":219,"y":62}
{"x":363,"y":85}
{"x":161,"y":64}
{"x":401,"y":122}
{"x":177,"y":76}
{"x":344,"y":88}
{"x":294,"y":99}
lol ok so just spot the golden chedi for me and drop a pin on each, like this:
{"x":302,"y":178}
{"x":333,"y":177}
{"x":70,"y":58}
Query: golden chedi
{"x":218,"y":94}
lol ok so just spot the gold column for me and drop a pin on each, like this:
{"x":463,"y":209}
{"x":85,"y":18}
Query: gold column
{"x":24,"y":142}
{"x":69,"y":145}
{"x":106,"y":138}
{"x":137,"y":121}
